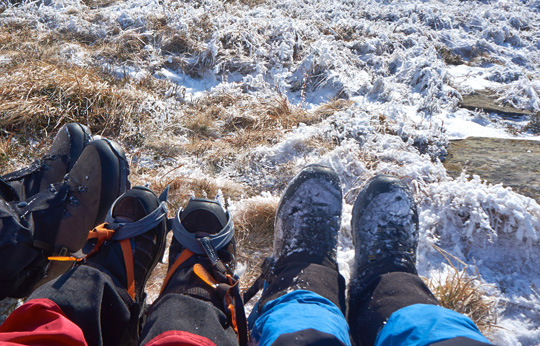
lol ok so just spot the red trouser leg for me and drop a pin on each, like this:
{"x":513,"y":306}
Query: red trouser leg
{"x":40,"y":322}
{"x":179,"y":338}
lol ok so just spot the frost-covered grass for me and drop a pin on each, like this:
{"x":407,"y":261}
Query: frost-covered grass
{"x":238,"y":96}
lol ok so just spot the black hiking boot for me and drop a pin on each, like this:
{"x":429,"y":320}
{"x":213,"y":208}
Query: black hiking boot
{"x":201,"y":219}
{"x":385,"y":231}
{"x":308,"y":219}
{"x":200,"y":294}
{"x":67,"y":146}
{"x":202,"y":262}
{"x":134,"y":241}
{"x":384,"y":279}
{"x":61,"y":216}
{"x":138,"y":218}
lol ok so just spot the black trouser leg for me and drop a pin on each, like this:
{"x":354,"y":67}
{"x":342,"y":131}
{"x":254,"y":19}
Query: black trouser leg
{"x":89,"y":298}
{"x":295,"y":274}
{"x":382,"y":296}
{"x":179,"y":312}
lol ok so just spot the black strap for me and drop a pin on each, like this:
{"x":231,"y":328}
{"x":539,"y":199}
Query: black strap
{"x":211,"y":253}
{"x":266,"y":267}
{"x":241,"y":320}
{"x":223,"y":273}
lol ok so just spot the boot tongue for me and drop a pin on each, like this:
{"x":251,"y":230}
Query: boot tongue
{"x":203,"y":217}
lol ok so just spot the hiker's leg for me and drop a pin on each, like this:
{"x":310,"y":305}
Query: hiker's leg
{"x":179,"y":318}
{"x":104,"y":297}
{"x":304,"y":300}
{"x":188,"y":310}
{"x":389,"y":304}
{"x":81,"y":306}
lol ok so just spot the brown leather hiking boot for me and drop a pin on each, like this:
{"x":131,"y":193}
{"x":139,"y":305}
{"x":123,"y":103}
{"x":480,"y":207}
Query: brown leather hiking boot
{"x":67,"y":146}
{"x":56,"y":221}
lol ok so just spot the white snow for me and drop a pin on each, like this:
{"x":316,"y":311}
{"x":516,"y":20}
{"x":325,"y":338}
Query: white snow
{"x":386,"y":56}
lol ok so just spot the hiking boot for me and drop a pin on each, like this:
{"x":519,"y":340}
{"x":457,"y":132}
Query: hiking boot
{"x":131,"y":252}
{"x":384,"y":279}
{"x":308,"y":219}
{"x":62,"y":215}
{"x":201,"y":219}
{"x":202,"y":262}
{"x":385,"y":231}
{"x":67,"y":146}
{"x":127,"y":248}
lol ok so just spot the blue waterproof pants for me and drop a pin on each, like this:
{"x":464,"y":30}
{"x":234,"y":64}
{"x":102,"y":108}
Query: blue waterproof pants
{"x":305,"y":317}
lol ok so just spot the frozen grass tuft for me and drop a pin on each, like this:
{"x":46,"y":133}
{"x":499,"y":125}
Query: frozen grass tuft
{"x":254,"y":224}
{"x":465,"y":294}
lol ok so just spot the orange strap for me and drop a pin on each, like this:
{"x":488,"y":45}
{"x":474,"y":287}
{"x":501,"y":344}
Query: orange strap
{"x":65,"y":258}
{"x":100,"y":232}
{"x":230,"y":306}
{"x":130,"y":272}
{"x":199,"y":270}
{"x":184,"y":256}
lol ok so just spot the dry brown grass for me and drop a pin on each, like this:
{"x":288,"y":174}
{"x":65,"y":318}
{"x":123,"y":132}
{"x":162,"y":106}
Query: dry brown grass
{"x":234,"y":113}
{"x":16,"y":151}
{"x":250,"y":3}
{"x":223,"y":127}
{"x":37,"y":95}
{"x":180,"y":43}
{"x":465,"y":294}
{"x":124,"y":46}
{"x":332,"y":106}
{"x":181,"y":188}
{"x":254,"y":225}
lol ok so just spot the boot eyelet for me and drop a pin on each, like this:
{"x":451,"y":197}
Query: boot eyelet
{"x":82,"y":189}
{"x":22,"y":204}
{"x":74,"y":201}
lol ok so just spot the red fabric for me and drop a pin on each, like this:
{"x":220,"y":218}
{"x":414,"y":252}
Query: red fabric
{"x":179,"y":338}
{"x":40,"y":322}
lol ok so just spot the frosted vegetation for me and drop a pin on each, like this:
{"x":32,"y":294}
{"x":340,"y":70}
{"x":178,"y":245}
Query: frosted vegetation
{"x":365,"y":86}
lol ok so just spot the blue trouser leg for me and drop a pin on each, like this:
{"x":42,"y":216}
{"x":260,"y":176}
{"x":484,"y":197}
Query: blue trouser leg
{"x":301,"y":314}
{"x":303,"y":303}
{"x":397,"y":308}
{"x":423,"y":324}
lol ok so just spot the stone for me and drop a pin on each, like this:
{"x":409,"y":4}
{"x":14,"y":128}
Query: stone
{"x":486,"y":102}
{"x":512,"y":162}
